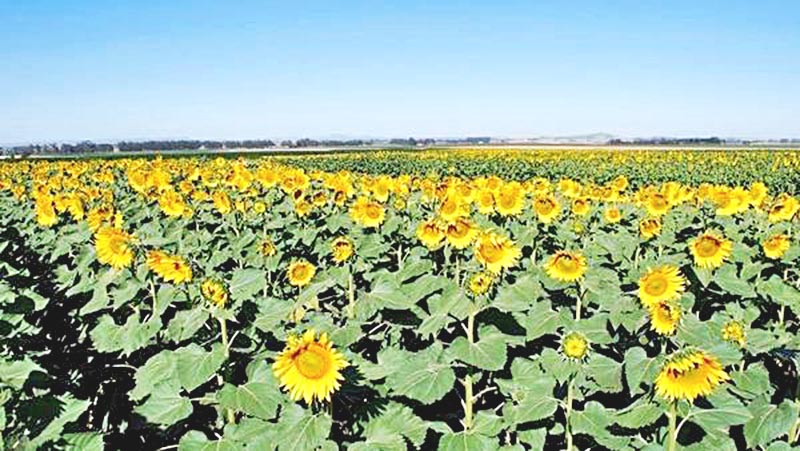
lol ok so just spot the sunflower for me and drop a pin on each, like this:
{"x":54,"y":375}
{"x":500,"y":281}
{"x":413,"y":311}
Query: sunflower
{"x":689,"y":374}
{"x":309,"y":368}
{"x":664,"y":317}
{"x":172,"y":204}
{"x":460,"y":233}
{"x":566,"y":266}
{"x":775,"y":246}
{"x":662,"y":283}
{"x":574,"y":346}
{"x":547,"y":208}
{"x":214,"y":292}
{"x":581,"y":206}
{"x":45,"y":213}
{"x":221,"y":202}
{"x":171,"y":268}
{"x":496,"y":252}
{"x":650,"y":227}
{"x":510,"y":199}
{"x":612,"y":215}
{"x":341,"y":249}
{"x":710,"y":250}
{"x":656,"y":204}
{"x":267,"y":247}
{"x":485,"y":202}
{"x":784,"y":208}
{"x":452,"y":207}
{"x":367,"y":212}
{"x":113,"y":247}
{"x":480,"y":283}
{"x":430,"y":233}
{"x":733,"y":331}
{"x":300,"y":273}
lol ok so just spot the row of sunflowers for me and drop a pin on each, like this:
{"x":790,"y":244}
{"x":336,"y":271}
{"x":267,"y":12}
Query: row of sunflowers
{"x":267,"y":303}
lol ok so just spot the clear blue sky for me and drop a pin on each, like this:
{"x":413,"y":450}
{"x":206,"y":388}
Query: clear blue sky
{"x":250,"y":69}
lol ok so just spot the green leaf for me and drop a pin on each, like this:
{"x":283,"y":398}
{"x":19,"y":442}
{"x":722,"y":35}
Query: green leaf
{"x":606,"y":372}
{"x":130,"y":337}
{"x":519,"y":296}
{"x":165,"y":406}
{"x":71,"y":410}
{"x":727,"y":279}
{"x":752,"y":382}
{"x":185,"y":324}
{"x":638,"y":368}
{"x":541,"y":320}
{"x":301,"y":429}
{"x":257,"y":399}
{"x":246,"y":283}
{"x":16,"y":372}
{"x":158,"y":368}
{"x":398,"y":419}
{"x":488,"y":353}
{"x":769,"y":421}
{"x":643,"y":413}
{"x":195,"y":365}
{"x":85,"y":441}
{"x":781,"y":293}
{"x":424,"y":376}
{"x":197,"y":441}
{"x":461,"y":441}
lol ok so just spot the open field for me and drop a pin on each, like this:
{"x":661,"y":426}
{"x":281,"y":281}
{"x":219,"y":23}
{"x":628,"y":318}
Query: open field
{"x":456,"y":299}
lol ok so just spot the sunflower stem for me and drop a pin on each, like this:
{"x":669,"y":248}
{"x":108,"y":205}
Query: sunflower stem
{"x":567,"y":414}
{"x":457,"y":270}
{"x":794,"y":432}
{"x":672,"y":438}
{"x":351,"y":295}
{"x":468,"y":399}
{"x":399,"y":256}
{"x":223,"y":325}
{"x":471,"y":327}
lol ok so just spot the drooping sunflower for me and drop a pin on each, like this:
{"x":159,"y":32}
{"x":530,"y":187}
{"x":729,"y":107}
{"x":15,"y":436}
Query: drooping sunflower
{"x":566,"y":266}
{"x":574,"y":346}
{"x":733,"y":331}
{"x":689,"y":374}
{"x":710,"y":250}
{"x":430,"y":233}
{"x":775,"y":246}
{"x":496,"y":252}
{"x":171,"y":268}
{"x":309,"y":368}
{"x":480,"y":283}
{"x":783,"y":209}
{"x":341,"y":249}
{"x":214,"y":292}
{"x":113,"y":247}
{"x":650,"y":227}
{"x":612,"y":215}
{"x":662,"y":283}
{"x":547,"y":208}
{"x":460,"y":233}
{"x":300,"y":273}
{"x":664,"y":317}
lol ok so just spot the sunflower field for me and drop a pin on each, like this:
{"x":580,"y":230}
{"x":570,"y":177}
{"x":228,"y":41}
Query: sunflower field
{"x":451,"y":299}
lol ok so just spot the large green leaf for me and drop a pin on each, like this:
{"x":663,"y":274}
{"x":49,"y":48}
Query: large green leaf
{"x":246,"y":283}
{"x":769,"y":421}
{"x":165,"y":406}
{"x":488,"y":353}
{"x":194,"y":365}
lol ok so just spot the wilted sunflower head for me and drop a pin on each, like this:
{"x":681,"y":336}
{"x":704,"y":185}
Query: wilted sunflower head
{"x":341,"y":249}
{"x":300,"y":273}
{"x":309,"y":368}
{"x":775,"y":246}
{"x":171,"y":268}
{"x":574,"y":346}
{"x":566,"y":266}
{"x":689,"y":374}
{"x":214,"y":292}
{"x":664,"y":317}
{"x":710,"y":250}
{"x":662,"y":283}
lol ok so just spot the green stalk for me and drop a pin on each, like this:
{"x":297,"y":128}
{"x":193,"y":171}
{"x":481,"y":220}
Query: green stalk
{"x":794,"y":432}
{"x":672,"y":438}
{"x":351,"y":295}
{"x":468,"y":399}
{"x":457,"y":269}
{"x":568,"y":414}
{"x":223,"y":325}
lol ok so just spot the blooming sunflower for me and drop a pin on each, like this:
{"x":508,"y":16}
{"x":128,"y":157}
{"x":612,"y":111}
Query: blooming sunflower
{"x":510,"y":199}
{"x":581,"y":206}
{"x":221,"y":202}
{"x":300,"y":273}
{"x":612,"y":215}
{"x":341,"y":249}
{"x":710,"y":250}
{"x":367,"y":212}
{"x":650,"y":227}
{"x":574,"y":346}
{"x":113,"y":247}
{"x":214,"y":292}
{"x":662,"y":283}
{"x":172,"y":204}
{"x":309,"y":368}
{"x":566,"y":266}
{"x":664,"y":317}
{"x":775,"y":246}
{"x":171,"y":268}
{"x":657,"y":204}
{"x":485,"y":202}
{"x":496,"y":252}
{"x":688,"y":374}
{"x":460,"y":233}
{"x":547,"y":208}
{"x":45,"y":212}
{"x":480,"y":283}
{"x":733,"y":331}
{"x":430,"y":233}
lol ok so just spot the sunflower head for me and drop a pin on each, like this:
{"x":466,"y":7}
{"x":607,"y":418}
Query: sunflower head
{"x":650,"y":227}
{"x":566,"y":266}
{"x":546,"y":207}
{"x":214,"y":292}
{"x":657,"y":204}
{"x":612,"y":215}
{"x":341,"y":249}
{"x":662,"y":283}
{"x":309,"y":368}
{"x":430,"y":233}
{"x":510,"y":199}
{"x":267,"y":247}
{"x":775,"y":246}
{"x":496,"y":252}
{"x":574,"y":346}
{"x":481,"y":282}
{"x":460,"y":233}
{"x":733,"y":331}
{"x":114,"y":247}
{"x":664,"y":317}
{"x":710,"y":250}
{"x":581,"y":206}
{"x":689,"y":374}
{"x":171,"y":268}
{"x":300,"y":273}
